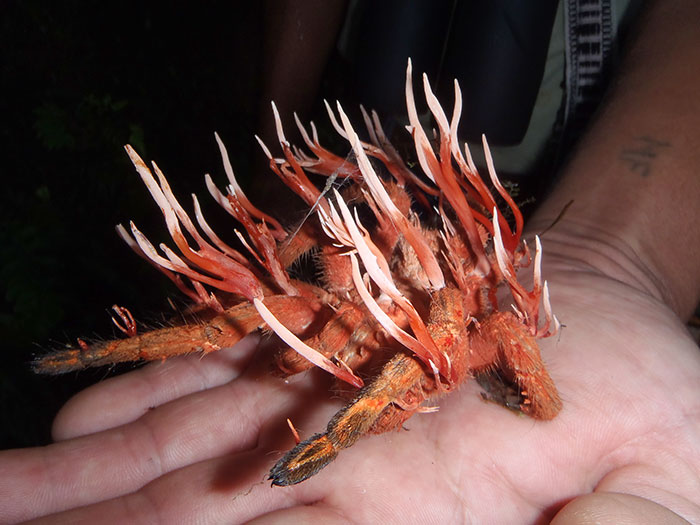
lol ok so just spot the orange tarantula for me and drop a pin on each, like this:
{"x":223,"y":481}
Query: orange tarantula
{"x":421,"y":293}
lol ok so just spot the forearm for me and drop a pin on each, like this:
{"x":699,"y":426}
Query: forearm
{"x":633,"y":179}
{"x":299,"y":38}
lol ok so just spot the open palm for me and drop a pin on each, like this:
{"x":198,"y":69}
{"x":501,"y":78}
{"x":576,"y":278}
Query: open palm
{"x":192,"y":439}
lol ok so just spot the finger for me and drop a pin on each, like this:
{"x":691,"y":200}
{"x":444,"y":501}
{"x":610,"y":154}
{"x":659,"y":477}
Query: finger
{"x":609,"y":508}
{"x":229,"y":489}
{"x":305,"y":514}
{"x":190,"y":429}
{"x":125,"y":398}
{"x":222,"y":490}
{"x":234,"y":489}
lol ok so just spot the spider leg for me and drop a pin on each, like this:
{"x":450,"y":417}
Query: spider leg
{"x":344,"y":336}
{"x":221,"y":331}
{"x":372,"y":411}
{"x":519,"y":356}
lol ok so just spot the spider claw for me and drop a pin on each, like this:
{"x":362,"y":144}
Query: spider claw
{"x":303,"y":461}
{"x":129,"y":326}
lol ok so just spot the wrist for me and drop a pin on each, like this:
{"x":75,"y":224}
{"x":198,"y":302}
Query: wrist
{"x":579,"y":245}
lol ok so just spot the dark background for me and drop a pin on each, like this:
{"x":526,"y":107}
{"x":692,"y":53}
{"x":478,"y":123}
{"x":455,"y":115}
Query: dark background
{"x":78,"y":81}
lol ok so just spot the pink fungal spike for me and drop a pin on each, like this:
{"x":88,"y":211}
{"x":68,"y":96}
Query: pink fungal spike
{"x":292,"y":174}
{"x":265,"y":245}
{"x":443,"y":174}
{"x":174,"y":277}
{"x":277,"y":230}
{"x":513,"y":238}
{"x":413,"y":235}
{"x":221,"y":245}
{"x":528,"y":303}
{"x":472,"y":181}
{"x":427,"y":354}
{"x":378,"y":270}
{"x":230,"y":275}
{"x":326,"y":163}
{"x":303,"y":349}
{"x":393,"y":161}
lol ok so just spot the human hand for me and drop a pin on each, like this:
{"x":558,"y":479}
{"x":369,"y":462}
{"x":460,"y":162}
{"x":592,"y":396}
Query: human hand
{"x":192,"y":439}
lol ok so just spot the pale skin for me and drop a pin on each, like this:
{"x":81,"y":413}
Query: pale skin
{"x":192,"y":439}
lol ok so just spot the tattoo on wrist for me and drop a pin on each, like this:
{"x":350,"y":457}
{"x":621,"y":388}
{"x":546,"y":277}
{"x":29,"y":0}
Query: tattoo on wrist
{"x":638,"y":156}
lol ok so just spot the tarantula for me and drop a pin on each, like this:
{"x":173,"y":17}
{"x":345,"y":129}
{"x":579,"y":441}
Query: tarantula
{"x":422,"y":293}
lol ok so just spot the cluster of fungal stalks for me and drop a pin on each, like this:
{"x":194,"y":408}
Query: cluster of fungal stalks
{"x":421,"y":294}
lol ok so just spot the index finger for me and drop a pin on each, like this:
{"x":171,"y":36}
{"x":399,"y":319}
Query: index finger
{"x":123,"y":399}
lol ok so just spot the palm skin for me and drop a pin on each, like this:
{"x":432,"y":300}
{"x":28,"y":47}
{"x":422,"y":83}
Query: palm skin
{"x":191,"y":440}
